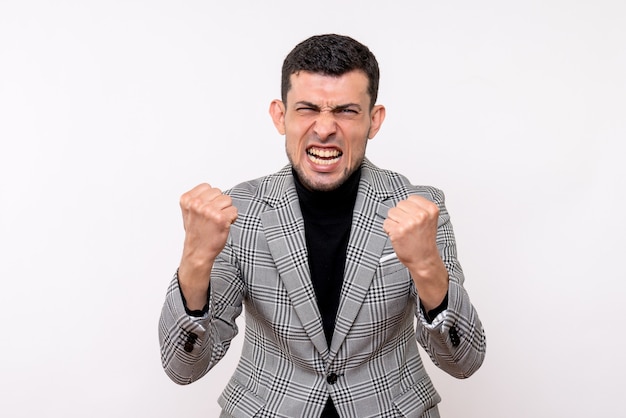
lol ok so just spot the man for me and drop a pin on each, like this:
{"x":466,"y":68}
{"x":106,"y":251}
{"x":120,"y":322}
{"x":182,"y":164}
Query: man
{"x":334,"y":259}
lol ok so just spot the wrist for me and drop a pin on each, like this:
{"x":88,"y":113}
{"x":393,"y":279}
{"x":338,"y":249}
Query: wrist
{"x":194,"y":285}
{"x":431,"y":281}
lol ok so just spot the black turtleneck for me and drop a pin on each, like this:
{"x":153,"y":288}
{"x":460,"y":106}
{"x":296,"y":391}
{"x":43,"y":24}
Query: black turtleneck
{"x":327,"y":221}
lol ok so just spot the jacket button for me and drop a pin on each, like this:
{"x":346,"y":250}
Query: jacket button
{"x":331,"y":378}
{"x":454,"y":337}
{"x":191,"y":340}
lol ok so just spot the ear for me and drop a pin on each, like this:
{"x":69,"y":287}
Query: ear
{"x":277,"y":112}
{"x":377,"y":116}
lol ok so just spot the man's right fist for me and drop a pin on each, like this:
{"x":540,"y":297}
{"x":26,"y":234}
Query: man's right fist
{"x":207,"y":217}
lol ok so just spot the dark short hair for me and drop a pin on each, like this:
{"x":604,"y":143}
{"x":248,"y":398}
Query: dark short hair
{"x":333,"y":55}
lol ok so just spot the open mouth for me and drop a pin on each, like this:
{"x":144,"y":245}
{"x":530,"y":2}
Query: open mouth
{"x":324,"y":156}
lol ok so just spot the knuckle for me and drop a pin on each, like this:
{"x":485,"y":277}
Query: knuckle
{"x":184,"y":198}
{"x":207,"y":210}
{"x":196,"y":204}
{"x":224,"y":199}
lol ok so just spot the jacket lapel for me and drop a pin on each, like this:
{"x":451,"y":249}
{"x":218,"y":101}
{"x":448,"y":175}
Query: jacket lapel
{"x":284,"y":230}
{"x":365,"y":248}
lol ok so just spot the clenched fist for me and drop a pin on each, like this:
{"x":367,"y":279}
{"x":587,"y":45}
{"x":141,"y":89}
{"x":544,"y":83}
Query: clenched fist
{"x":207,"y":217}
{"x":412,"y":229}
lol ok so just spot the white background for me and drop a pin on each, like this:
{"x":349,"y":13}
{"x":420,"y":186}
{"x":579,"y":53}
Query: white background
{"x":109,"y":110}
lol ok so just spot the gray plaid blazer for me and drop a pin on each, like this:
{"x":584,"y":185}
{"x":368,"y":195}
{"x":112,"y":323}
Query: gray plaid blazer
{"x":372,"y":367}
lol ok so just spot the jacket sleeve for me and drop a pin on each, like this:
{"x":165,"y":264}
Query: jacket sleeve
{"x":191,"y":346}
{"x":455,"y":341}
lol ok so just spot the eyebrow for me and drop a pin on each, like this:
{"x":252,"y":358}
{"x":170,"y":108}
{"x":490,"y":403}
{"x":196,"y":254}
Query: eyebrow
{"x":334,"y":109}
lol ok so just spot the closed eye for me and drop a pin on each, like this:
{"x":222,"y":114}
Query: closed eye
{"x":350,"y":109}
{"x":306,"y":107}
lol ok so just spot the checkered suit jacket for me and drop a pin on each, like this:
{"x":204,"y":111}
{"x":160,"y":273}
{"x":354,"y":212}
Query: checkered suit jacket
{"x":372,"y":367}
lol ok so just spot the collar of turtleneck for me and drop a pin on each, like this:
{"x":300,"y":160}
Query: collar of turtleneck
{"x":334,"y":201}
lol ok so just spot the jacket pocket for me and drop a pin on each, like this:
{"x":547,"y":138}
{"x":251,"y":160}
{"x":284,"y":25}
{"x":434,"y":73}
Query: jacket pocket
{"x":419,"y":401}
{"x":389,"y":293}
{"x":239,"y":401}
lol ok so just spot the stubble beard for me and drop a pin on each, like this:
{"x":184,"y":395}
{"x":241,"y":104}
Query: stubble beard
{"x":320,"y":186}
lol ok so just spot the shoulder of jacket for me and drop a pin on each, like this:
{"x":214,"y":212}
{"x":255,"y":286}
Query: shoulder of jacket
{"x":265,"y":188}
{"x":393,"y":185}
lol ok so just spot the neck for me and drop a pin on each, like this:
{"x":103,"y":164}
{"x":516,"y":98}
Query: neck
{"x":344,"y":195}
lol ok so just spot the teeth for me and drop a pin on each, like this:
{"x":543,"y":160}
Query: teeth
{"x":323,"y":156}
{"x":324,"y":153}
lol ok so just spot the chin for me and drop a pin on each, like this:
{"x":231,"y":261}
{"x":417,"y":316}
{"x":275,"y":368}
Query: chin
{"x":324,"y":184}
{"x":324,"y":187}
{"x":317,"y":184}
{"x":320,"y":181}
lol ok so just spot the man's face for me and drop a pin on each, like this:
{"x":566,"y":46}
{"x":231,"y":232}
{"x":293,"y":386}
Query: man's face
{"x":327,"y":122}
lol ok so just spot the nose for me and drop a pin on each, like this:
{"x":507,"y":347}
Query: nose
{"x":325,"y":125}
